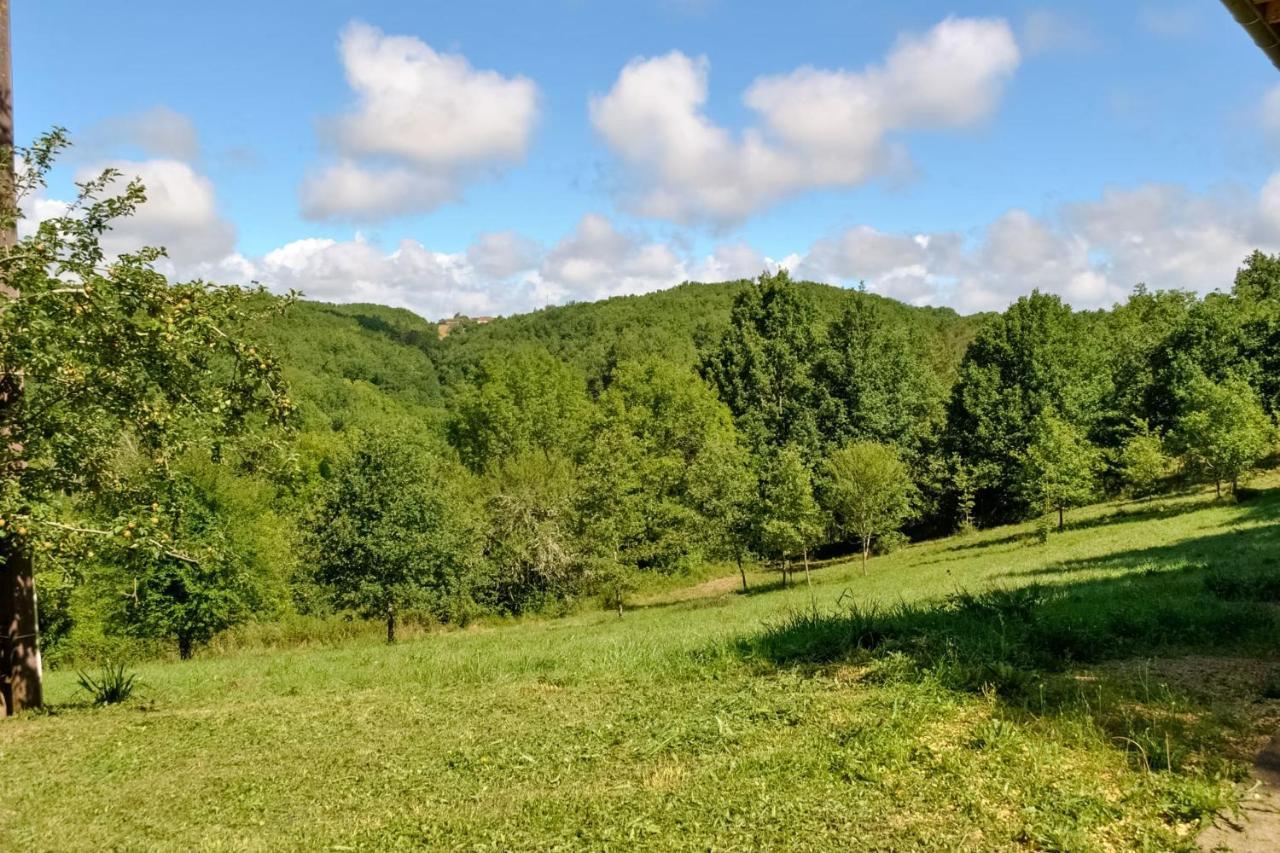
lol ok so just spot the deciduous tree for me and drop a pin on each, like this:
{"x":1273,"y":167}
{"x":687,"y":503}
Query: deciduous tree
{"x":791,"y":521}
{"x":114,"y":358}
{"x":390,"y":533}
{"x":1223,"y":431}
{"x":868,"y":491}
{"x":1059,"y":469}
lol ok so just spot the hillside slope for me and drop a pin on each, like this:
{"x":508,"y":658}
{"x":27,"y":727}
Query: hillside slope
{"x":354,"y":363}
{"x":678,"y":322}
{"x":348,"y":364}
{"x":1059,"y":711}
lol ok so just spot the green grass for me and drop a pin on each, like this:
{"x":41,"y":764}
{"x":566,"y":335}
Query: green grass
{"x":888,"y":712}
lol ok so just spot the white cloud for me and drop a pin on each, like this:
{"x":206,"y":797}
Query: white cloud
{"x":347,"y":190}
{"x":1090,"y":253}
{"x":180,"y":214}
{"x":424,"y":124}
{"x":158,"y":132}
{"x":433,"y":284}
{"x":597,"y":260}
{"x":502,"y":254}
{"x":731,"y":262}
{"x":817,"y":128}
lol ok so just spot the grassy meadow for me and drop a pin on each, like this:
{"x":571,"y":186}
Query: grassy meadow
{"x":1101,"y":690}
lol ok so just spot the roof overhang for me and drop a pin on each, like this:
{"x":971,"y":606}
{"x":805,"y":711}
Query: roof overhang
{"x":1262,"y":20}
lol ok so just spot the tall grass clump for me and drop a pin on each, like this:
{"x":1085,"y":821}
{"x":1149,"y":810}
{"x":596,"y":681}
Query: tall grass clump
{"x":112,"y":685}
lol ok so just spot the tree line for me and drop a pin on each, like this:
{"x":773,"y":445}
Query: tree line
{"x":181,"y":476}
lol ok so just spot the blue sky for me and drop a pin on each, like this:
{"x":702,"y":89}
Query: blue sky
{"x":505,"y":155}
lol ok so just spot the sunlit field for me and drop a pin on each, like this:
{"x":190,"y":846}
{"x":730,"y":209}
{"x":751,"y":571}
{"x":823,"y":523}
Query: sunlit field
{"x":871,"y":712}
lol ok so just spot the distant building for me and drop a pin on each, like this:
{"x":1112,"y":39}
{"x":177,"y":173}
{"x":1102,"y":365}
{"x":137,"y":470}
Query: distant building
{"x":444,"y":327}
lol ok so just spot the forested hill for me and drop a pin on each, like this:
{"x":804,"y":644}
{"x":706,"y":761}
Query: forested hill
{"x":373,"y":348}
{"x":676,"y":324}
{"x":353,"y":365}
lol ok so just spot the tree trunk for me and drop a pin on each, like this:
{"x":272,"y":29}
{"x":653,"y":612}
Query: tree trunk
{"x":1217,"y":485}
{"x":185,"y":647}
{"x":6,"y":622}
{"x":20,"y":670}
{"x":1062,"y":518}
{"x":742,"y":572}
{"x":866,"y":553}
{"x":391,"y":625}
{"x":808,"y":581}
{"x":619,"y":604}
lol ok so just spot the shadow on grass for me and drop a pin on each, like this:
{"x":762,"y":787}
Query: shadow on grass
{"x":1149,"y":509}
{"x":1210,"y":596}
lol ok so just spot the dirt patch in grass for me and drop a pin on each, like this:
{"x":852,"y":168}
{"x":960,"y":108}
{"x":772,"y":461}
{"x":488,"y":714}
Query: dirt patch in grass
{"x":1243,"y":684}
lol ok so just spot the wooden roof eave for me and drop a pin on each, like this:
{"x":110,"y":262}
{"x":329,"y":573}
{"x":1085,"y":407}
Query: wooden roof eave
{"x":1262,"y":21}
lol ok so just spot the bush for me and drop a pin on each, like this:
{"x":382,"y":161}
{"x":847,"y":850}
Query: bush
{"x":1142,"y":464}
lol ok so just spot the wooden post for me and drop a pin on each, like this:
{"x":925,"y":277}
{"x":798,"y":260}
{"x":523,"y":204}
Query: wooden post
{"x":20,"y":664}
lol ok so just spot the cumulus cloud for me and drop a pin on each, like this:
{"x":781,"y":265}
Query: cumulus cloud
{"x":411,"y":276}
{"x":424,"y":123}
{"x":501,"y":254}
{"x":597,"y":260}
{"x":181,"y":214}
{"x":348,"y":190}
{"x":817,"y":128}
{"x":1091,"y":253}
{"x":731,"y":262}
{"x":500,"y":273}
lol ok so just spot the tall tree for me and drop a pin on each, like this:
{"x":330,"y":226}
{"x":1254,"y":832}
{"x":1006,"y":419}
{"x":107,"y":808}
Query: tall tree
{"x":530,"y":542}
{"x":876,"y":387}
{"x":1059,"y":468}
{"x":390,"y":533}
{"x":1141,"y":462}
{"x":1223,"y":431}
{"x":763,"y":366}
{"x":791,"y":521}
{"x":1257,"y":288}
{"x":1132,"y":336}
{"x":113,"y":357}
{"x":726,"y":491}
{"x":520,"y":399}
{"x":1212,"y":343}
{"x":868,"y":492}
{"x":613,"y":512}
{"x":669,"y":419}
{"x":20,"y":682}
{"x":1035,"y":357}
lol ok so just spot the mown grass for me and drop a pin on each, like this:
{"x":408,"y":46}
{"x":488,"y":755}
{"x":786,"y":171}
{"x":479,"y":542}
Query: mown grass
{"x":985,"y":692}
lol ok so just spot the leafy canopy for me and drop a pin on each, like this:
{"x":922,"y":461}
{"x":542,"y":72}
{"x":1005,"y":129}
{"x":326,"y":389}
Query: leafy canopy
{"x":391,"y":532}
{"x":868,"y":490}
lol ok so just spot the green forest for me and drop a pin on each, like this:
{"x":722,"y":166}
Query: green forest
{"x":723,"y":563}
{"x":263,"y":459}
{"x":679,"y":425}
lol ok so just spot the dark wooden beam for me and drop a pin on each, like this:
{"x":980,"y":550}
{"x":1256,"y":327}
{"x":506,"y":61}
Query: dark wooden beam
{"x":1262,"y":21}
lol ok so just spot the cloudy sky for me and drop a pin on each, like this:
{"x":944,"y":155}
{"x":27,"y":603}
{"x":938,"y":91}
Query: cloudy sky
{"x":493,"y":157}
